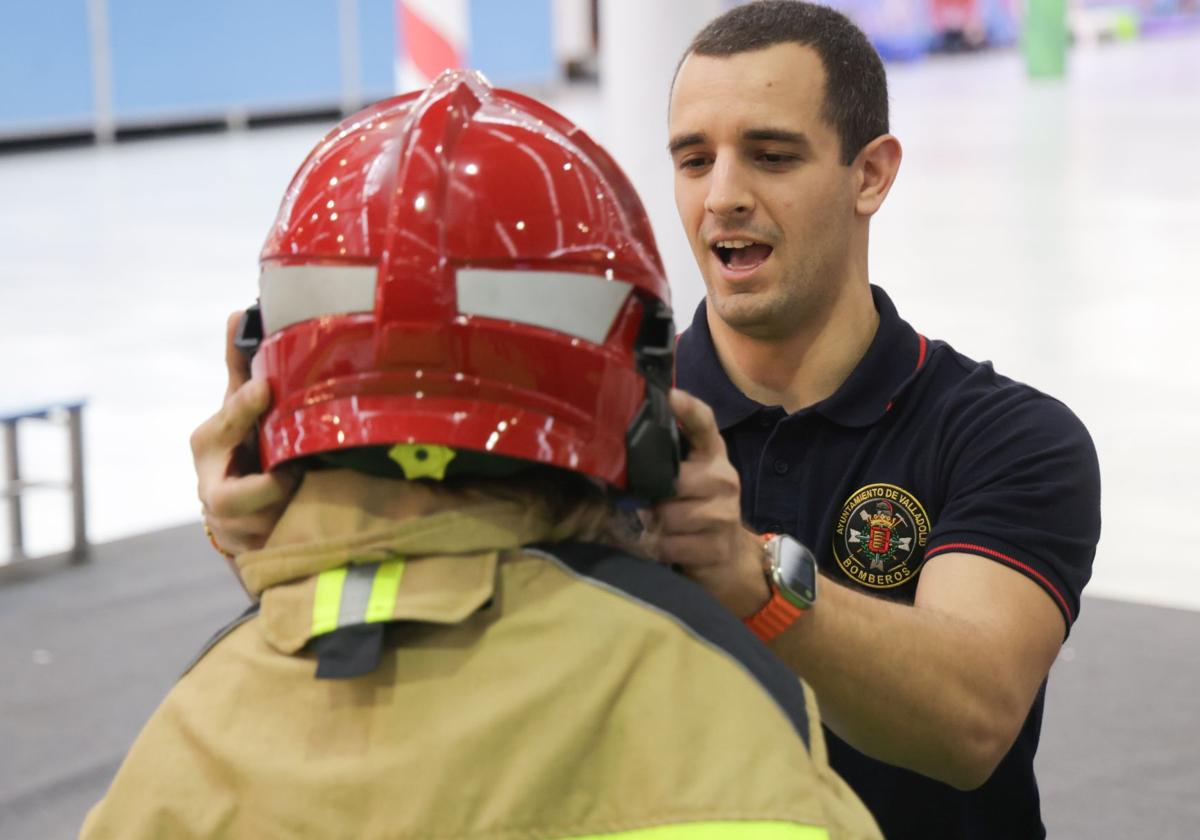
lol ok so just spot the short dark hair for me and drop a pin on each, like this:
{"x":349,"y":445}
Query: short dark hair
{"x":856,"y":98}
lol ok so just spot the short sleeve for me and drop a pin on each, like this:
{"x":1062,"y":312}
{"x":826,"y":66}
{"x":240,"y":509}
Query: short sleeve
{"x":1022,"y":488}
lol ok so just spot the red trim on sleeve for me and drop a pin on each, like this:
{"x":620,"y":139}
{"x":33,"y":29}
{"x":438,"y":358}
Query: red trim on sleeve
{"x":979,"y":549}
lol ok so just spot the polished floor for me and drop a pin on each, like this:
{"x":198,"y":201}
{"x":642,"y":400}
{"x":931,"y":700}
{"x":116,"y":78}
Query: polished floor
{"x":1053,"y":228}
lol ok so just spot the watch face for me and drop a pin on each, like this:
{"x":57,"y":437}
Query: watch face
{"x":797,"y":570}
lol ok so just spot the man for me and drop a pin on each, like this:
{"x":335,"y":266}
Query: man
{"x":955,"y":512}
{"x":442,"y":643}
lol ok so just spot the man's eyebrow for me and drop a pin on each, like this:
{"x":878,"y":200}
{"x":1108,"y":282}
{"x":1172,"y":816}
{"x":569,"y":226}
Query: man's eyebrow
{"x":685,"y":140}
{"x":779,"y":135}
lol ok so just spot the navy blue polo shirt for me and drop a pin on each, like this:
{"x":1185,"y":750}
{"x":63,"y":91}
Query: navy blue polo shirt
{"x":920,"y":452}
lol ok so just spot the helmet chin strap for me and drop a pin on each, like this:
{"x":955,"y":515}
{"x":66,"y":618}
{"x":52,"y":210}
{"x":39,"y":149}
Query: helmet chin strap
{"x":652,"y":444}
{"x":249,"y":334}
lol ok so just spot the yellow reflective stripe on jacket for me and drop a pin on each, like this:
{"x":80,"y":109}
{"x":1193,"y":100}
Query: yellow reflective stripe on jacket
{"x":357,"y":594}
{"x":728,"y":830}
{"x":328,"y":601}
{"x":382,"y":604}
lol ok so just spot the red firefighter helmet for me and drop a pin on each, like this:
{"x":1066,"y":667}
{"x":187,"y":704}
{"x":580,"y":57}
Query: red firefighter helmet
{"x":465,"y":268}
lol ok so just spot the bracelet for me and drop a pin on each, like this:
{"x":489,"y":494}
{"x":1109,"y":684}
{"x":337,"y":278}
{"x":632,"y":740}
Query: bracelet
{"x":213,"y":540}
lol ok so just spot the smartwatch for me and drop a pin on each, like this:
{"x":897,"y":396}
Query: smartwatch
{"x":791,"y":572}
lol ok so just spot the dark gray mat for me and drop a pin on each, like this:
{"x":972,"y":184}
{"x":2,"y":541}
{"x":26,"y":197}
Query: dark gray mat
{"x":87,"y":653}
{"x":1120,"y":748}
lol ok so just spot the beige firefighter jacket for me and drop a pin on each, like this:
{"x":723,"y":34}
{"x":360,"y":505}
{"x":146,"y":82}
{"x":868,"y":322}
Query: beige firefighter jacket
{"x":519,"y":696}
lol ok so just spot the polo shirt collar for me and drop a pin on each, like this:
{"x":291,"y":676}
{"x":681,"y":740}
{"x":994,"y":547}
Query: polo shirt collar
{"x":885,"y":369}
{"x":888,"y":365}
{"x":698,"y":371}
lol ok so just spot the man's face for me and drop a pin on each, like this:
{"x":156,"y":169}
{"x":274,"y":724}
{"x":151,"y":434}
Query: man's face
{"x":760,"y":187}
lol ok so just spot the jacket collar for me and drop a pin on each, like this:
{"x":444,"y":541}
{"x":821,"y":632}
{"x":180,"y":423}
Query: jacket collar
{"x":338,"y":517}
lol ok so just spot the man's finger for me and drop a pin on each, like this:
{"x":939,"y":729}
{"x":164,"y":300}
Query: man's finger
{"x":236,"y":366}
{"x":231,"y":425}
{"x":698,"y":425}
{"x":696,"y":516}
{"x":250,"y":494}
{"x":704,"y":478}
{"x":237,"y":535}
{"x":678,"y":516}
{"x":691,"y":553}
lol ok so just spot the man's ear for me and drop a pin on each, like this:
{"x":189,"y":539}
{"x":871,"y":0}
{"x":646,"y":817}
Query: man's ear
{"x":876,"y":166}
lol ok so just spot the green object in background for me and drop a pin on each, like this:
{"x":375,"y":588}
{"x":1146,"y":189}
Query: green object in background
{"x":1044,"y":38}
{"x":1126,"y":25}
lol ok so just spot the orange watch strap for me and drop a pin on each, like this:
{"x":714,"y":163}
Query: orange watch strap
{"x":777,"y":615}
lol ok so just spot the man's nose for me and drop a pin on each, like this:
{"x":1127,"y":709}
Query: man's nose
{"x":729,"y":195}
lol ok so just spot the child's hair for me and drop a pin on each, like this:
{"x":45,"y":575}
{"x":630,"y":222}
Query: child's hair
{"x":581,"y":508}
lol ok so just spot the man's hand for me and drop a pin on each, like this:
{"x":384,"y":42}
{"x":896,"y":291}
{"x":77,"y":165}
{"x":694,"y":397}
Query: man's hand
{"x":240,"y":504}
{"x":700,"y":530}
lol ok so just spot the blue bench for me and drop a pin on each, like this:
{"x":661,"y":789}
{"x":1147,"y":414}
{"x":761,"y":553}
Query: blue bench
{"x":65,"y":412}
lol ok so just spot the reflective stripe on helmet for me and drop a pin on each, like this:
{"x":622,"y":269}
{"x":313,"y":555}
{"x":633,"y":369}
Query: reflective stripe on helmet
{"x":578,"y":304}
{"x":290,"y":294}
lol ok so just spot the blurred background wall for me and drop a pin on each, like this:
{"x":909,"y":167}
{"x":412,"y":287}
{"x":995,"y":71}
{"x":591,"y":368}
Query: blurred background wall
{"x":72,"y":67}
{"x":1044,"y":223}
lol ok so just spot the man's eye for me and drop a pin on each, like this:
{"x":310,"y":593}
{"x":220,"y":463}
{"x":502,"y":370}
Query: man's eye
{"x":773,"y":159}
{"x":693,"y":163}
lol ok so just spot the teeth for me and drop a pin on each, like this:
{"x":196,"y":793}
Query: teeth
{"x":735,"y":243}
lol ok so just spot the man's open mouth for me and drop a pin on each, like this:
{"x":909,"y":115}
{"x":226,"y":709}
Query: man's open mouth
{"x":741,"y":254}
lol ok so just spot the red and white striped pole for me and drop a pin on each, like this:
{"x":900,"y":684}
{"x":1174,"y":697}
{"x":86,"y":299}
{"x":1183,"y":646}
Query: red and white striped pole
{"x":432,"y":38}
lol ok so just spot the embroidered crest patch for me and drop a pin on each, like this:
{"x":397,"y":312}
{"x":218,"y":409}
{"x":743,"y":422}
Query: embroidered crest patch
{"x":880,"y":536}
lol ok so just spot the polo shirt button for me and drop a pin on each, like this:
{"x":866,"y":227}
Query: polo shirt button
{"x":781,"y":467}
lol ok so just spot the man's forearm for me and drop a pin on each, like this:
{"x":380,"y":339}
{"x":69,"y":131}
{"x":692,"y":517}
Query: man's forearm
{"x":906,"y":685}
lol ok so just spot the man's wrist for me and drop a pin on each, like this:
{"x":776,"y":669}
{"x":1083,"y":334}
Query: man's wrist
{"x":790,"y":572}
{"x":740,"y":585}
{"x":757,"y":589}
